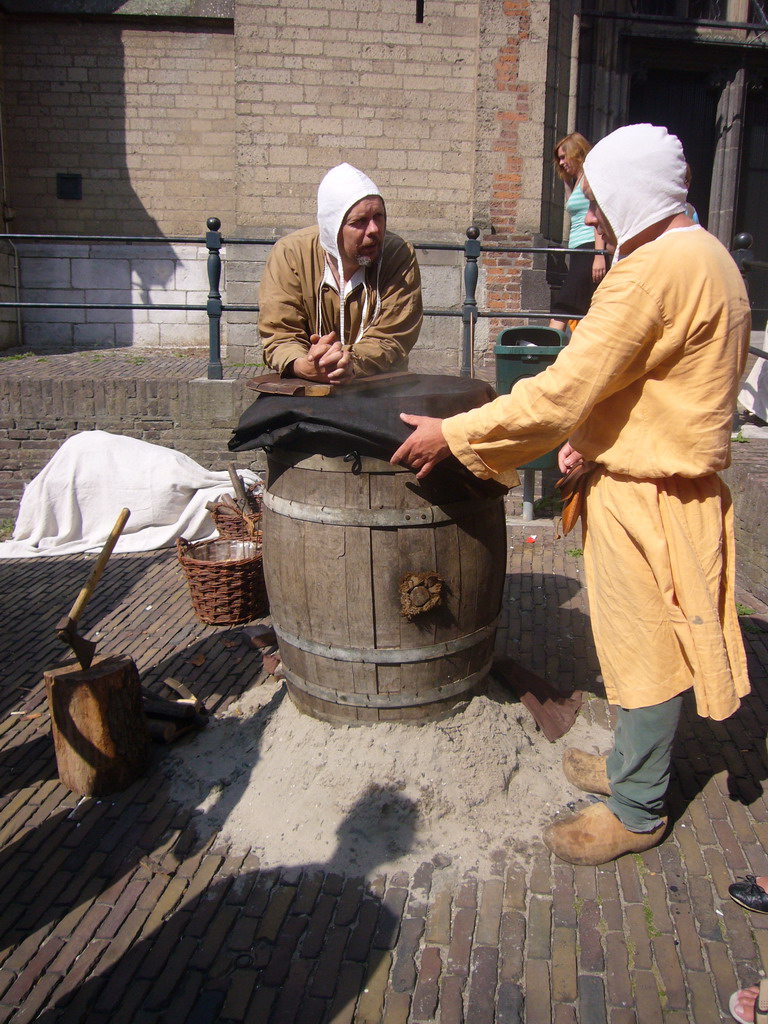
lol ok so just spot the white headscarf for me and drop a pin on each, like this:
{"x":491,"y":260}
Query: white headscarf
{"x":637,"y":176}
{"x":341,"y":189}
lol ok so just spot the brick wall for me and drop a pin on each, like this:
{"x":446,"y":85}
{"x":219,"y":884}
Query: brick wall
{"x":363,"y":82}
{"x":8,"y":332}
{"x":173,"y":274}
{"x":514,"y":92}
{"x":170,"y":122}
{"x":37,"y":415}
{"x":748,"y":479}
{"x":145,"y":114}
{"x":447,"y":117}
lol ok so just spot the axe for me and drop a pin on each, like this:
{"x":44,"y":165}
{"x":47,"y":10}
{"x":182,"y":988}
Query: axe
{"x":66,"y":628}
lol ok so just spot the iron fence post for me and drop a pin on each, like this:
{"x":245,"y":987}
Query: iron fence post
{"x":213,"y":307}
{"x":469,"y":307}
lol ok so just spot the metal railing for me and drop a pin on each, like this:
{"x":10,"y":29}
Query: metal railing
{"x":742,"y":254}
{"x":469,"y":312}
{"x":215,"y":307}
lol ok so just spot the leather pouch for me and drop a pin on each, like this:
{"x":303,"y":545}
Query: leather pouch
{"x":572,"y":488}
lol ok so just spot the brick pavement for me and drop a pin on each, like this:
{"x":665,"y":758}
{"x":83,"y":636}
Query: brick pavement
{"x":114,"y":911}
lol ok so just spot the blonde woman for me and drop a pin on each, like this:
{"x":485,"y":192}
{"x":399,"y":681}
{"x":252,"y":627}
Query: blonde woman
{"x":585,"y":271}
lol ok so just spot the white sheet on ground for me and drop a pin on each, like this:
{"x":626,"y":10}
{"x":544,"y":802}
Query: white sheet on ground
{"x":74,"y":502}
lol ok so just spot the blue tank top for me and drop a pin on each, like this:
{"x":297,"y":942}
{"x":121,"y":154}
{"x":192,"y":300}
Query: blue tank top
{"x":577,"y":207}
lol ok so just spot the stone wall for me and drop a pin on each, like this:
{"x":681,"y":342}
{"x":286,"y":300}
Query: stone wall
{"x":177,"y":274}
{"x":239,"y":114}
{"x":143,"y":111}
{"x":748,"y":480}
{"x":37,"y":415}
{"x":115,"y":274}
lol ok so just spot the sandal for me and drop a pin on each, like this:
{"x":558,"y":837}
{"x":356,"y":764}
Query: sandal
{"x":760,"y":1004}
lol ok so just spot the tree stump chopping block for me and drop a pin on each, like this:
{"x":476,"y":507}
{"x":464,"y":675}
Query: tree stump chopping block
{"x":99,"y":730}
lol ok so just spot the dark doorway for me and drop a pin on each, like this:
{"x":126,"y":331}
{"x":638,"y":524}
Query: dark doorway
{"x":752,"y":209}
{"x":684,"y":101}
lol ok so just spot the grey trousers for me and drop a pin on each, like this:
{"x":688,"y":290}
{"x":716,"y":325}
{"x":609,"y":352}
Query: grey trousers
{"x":639,"y":764}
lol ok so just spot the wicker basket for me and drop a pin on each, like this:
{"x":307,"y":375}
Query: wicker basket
{"x":226,"y":580}
{"x":233,"y":524}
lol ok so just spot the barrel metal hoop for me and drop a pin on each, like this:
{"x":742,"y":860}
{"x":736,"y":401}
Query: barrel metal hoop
{"x":387,"y":655}
{"x":428,"y":515}
{"x":334,"y":463}
{"x":388,"y":700}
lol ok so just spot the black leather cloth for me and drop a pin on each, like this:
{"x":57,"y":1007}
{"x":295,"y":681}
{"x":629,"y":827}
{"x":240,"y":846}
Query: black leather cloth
{"x":363,"y":421}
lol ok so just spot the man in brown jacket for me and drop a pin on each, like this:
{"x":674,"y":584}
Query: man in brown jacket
{"x":306,"y":330}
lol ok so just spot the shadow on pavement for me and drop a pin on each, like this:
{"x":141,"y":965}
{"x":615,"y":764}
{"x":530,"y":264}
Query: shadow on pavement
{"x":734,"y":750}
{"x":296,"y":942}
{"x":548,"y":632}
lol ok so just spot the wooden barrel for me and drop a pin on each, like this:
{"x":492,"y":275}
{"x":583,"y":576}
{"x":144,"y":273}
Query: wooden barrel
{"x":385,"y":604}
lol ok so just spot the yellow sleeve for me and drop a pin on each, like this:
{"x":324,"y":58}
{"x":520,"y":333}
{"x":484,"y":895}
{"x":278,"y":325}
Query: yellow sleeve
{"x":618,"y":342}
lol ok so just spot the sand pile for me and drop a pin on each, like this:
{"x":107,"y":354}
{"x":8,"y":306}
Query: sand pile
{"x":362,"y":799}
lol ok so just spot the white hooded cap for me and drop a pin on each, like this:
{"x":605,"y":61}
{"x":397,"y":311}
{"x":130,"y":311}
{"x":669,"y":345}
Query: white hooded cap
{"x":341,"y":188}
{"x":637,"y":176}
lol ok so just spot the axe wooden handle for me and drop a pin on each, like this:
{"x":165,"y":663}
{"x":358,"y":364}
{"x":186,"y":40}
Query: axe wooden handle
{"x":84,"y":596}
{"x":238,"y":486}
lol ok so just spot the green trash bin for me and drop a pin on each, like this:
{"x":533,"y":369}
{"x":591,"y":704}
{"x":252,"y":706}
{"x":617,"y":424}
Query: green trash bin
{"x":523,"y":352}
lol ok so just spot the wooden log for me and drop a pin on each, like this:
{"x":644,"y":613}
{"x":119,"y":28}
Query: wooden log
{"x":158,"y":707}
{"x":163,"y":732}
{"x":99,"y":731}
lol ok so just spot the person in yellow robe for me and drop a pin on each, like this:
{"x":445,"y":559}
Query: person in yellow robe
{"x":645,"y":391}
